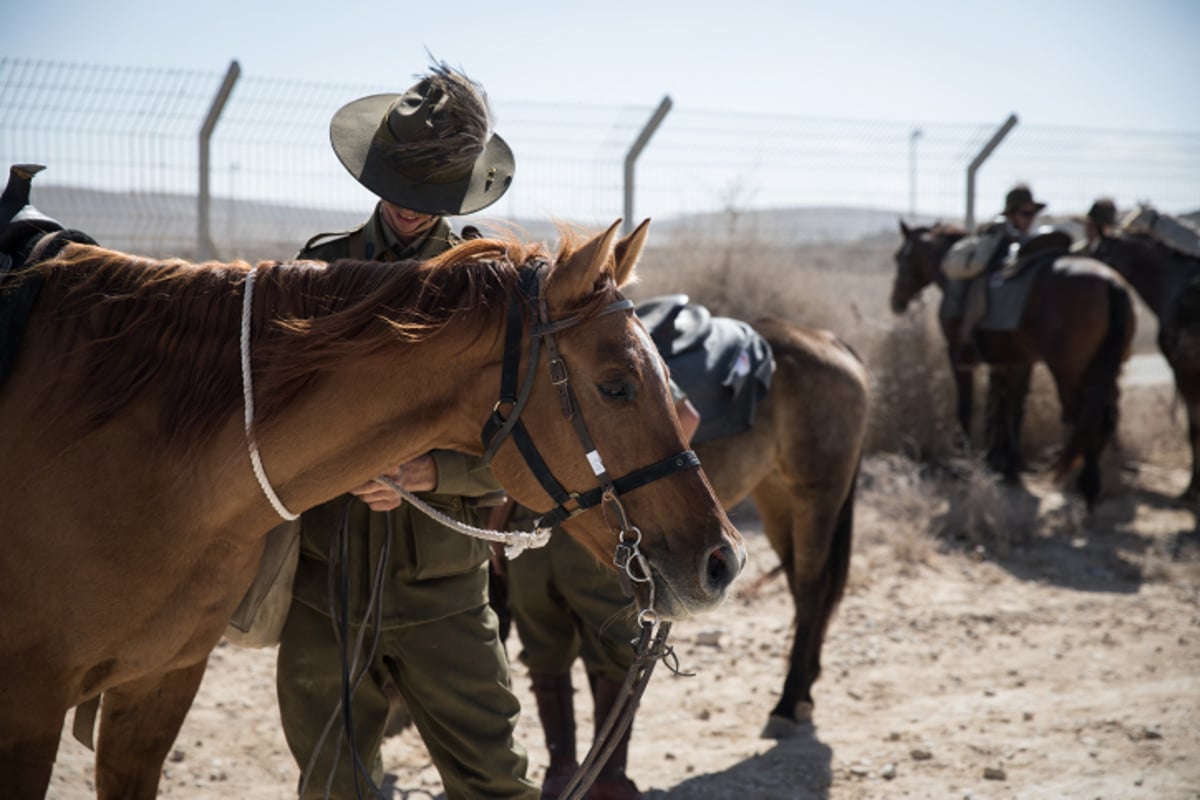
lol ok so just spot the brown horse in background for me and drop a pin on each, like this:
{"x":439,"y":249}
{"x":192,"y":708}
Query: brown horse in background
{"x":1078,"y":321}
{"x":133,"y":525}
{"x":799,"y":465}
{"x":1169,"y":283}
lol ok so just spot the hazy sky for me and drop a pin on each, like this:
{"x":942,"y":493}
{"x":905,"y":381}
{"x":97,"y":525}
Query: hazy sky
{"x":1055,"y":62}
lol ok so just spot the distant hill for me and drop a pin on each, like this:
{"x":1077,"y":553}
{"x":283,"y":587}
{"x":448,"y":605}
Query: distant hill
{"x":793,"y":226}
{"x":162,"y":225}
{"x":165,"y":225}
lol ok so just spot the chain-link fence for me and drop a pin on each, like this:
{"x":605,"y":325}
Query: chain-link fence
{"x":122,"y":150}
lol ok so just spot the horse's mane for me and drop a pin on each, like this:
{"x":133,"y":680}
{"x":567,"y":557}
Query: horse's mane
{"x":130,"y":322}
{"x":948,"y":230}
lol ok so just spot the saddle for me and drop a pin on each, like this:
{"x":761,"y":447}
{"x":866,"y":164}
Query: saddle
{"x":997,"y":299}
{"x":1044,"y":247}
{"x":22,"y":229}
{"x":722,"y":364}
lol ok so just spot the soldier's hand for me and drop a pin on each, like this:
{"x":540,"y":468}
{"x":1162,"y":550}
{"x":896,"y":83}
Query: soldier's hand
{"x":418,"y":475}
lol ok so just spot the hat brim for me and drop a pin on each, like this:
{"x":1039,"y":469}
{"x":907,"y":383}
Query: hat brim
{"x":352,"y":133}
{"x":1037,"y":208}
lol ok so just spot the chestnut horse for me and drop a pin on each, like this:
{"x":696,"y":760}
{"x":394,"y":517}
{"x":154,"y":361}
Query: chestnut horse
{"x":799,"y":463}
{"x":133,"y":522}
{"x":1078,"y":320}
{"x":1169,"y":283}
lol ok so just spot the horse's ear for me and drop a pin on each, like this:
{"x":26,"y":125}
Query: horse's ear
{"x":904,"y":229}
{"x":628,"y":250}
{"x":575,"y":276}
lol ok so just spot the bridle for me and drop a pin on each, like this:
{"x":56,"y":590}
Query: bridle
{"x":632,"y":566}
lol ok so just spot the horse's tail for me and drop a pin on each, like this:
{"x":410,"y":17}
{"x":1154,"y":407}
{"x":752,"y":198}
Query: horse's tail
{"x":843,"y":532}
{"x":1100,"y":389}
{"x":839,"y":551}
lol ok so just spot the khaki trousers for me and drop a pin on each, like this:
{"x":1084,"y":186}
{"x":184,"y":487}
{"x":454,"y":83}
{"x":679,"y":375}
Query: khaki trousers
{"x":454,"y":678}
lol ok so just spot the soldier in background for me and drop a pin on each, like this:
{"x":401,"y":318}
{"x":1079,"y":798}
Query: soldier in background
{"x":1099,"y":221}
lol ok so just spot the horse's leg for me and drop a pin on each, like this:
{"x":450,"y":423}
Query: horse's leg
{"x":964,"y":395}
{"x":812,"y":540}
{"x":1090,"y":391}
{"x":138,"y":724}
{"x":1007,"y":388}
{"x":27,"y":750}
{"x":1192,"y":493}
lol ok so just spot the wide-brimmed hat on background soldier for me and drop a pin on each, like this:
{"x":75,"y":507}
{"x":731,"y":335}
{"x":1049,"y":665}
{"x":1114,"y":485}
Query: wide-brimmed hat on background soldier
{"x":1021,"y":197}
{"x":1102,"y":214}
{"x":430,"y":149}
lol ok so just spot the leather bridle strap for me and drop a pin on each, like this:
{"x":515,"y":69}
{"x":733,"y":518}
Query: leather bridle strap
{"x":623,"y":485}
{"x":498,"y":428}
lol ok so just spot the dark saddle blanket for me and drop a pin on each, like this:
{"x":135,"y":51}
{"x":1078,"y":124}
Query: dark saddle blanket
{"x":722,"y":364}
{"x":1007,"y":287}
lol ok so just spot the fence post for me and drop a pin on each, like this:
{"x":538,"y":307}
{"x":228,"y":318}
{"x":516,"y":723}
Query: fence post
{"x":632,"y":156}
{"x":976,"y":162}
{"x":205,"y":249}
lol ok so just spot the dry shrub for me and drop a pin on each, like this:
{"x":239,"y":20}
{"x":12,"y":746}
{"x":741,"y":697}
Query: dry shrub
{"x":840,"y":287}
{"x":912,"y":390}
{"x":894,"y":505}
{"x":985,"y":512}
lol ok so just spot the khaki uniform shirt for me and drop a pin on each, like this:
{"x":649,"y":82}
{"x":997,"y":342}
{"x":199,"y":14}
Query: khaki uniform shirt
{"x":433,"y":571}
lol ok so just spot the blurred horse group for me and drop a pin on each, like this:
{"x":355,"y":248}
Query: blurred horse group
{"x":1079,"y":321}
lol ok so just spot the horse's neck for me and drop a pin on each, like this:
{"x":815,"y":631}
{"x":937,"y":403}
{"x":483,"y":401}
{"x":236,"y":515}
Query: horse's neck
{"x":937,"y":255}
{"x":367,"y":419}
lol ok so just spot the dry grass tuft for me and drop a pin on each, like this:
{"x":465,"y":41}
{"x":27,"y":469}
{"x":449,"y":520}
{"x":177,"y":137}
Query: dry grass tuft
{"x":985,"y":512}
{"x":894,"y":506}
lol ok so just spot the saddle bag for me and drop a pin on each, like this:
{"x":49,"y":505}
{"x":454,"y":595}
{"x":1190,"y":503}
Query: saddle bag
{"x":969,"y":256}
{"x":259,"y":618}
{"x":722,"y":364}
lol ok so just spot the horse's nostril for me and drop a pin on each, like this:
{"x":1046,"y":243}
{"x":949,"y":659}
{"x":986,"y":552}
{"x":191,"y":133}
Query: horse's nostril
{"x":720,"y":568}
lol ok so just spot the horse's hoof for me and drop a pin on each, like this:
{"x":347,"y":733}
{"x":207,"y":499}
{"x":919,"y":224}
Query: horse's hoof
{"x":778,"y":727}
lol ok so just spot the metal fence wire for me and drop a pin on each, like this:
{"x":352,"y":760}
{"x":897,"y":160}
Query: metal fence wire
{"x":121,"y":146}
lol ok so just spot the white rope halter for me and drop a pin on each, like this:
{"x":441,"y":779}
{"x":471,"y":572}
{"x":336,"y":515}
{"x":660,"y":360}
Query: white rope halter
{"x":516,"y":542}
{"x":248,"y":396}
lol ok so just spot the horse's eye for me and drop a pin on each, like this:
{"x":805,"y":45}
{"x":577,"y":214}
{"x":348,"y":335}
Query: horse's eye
{"x":617,"y":391}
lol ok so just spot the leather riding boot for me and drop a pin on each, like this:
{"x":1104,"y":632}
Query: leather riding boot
{"x":556,"y":709}
{"x":611,"y":783}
